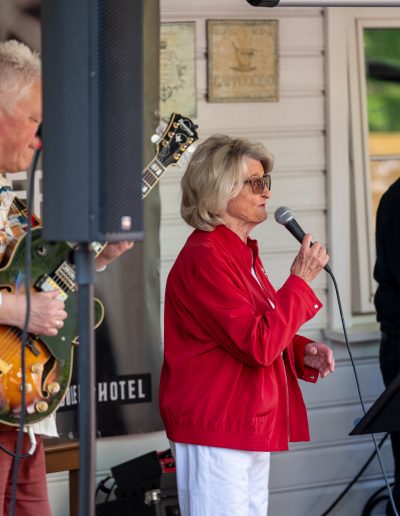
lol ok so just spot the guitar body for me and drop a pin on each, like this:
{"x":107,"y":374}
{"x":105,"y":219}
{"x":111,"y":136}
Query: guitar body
{"x":48,"y":360}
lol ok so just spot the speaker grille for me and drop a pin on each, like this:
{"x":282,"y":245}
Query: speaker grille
{"x":121,"y":119}
{"x":93,"y":105}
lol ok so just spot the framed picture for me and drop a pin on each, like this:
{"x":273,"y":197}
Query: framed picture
{"x":242,"y":60}
{"x":177,"y":69}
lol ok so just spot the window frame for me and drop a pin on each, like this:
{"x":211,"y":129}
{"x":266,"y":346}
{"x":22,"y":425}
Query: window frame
{"x":348,"y":193}
{"x":364,"y":285}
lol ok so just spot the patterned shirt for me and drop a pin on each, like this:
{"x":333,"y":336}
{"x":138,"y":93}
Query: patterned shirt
{"x":12,"y":220}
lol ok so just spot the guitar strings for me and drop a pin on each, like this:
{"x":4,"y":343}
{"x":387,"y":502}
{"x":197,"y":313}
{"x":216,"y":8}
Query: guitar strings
{"x":12,"y":336}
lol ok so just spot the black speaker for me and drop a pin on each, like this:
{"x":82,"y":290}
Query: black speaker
{"x":138,"y":475}
{"x":93,"y":118}
{"x":144,"y":486}
{"x":135,"y":506}
{"x":130,"y":506}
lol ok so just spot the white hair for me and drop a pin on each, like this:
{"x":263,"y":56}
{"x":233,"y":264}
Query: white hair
{"x":215,"y":175}
{"x":19,"y":68}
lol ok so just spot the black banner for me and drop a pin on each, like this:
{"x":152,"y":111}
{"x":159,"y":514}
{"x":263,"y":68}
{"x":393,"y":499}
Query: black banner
{"x":128,"y":344}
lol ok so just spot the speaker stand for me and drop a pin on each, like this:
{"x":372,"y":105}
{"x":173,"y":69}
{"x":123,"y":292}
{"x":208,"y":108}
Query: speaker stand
{"x":85,"y":275}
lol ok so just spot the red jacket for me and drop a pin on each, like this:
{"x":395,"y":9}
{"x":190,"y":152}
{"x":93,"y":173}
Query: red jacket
{"x":230,"y":358}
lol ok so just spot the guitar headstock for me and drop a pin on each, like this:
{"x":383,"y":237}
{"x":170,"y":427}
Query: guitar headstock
{"x":175,"y":139}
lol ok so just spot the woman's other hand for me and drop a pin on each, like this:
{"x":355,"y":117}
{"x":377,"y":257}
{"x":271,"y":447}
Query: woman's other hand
{"x":319,"y":356}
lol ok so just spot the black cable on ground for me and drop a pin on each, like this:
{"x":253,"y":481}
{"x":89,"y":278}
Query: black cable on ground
{"x":357,"y":476}
{"x":18,"y":452}
{"x":374,"y":500}
{"x":376,"y":452}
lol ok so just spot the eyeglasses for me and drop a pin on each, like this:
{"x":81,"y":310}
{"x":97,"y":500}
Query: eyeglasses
{"x":258,"y":184}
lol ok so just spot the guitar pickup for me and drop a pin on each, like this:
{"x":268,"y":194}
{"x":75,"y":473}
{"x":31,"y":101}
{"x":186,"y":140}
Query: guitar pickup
{"x":31,"y":345}
{"x":47,"y":284}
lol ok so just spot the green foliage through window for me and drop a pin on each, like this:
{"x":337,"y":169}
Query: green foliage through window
{"x":382,"y":54}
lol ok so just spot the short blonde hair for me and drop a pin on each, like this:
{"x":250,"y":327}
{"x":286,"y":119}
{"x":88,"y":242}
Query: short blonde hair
{"x":215,"y":175}
{"x":19,"y":68}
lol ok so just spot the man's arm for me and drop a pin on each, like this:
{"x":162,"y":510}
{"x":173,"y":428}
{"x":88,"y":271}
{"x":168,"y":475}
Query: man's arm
{"x":47,"y":313}
{"x":111,"y":252}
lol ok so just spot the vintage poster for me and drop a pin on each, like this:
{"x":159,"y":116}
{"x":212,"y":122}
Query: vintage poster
{"x":177,"y":69}
{"x":242,"y":60}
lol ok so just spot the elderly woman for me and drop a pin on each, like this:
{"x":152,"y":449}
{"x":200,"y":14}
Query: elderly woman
{"x":229,"y":393}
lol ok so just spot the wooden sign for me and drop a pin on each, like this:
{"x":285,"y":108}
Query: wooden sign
{"x":177,"y":69}
{"x":242,"y":60}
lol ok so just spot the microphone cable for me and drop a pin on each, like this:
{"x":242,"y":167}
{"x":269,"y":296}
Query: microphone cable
{"x":284,"y":216}
{"x":24,"y":337}
{"x":377,"y":452}
{"x":374,"y":500}
{"x":356,"y":477}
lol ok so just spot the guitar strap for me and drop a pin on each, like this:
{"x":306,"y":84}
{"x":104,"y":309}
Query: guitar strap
{"x":18,"y":213}
{"x":20,"y":208}
{"x":13,"y":221}
{"x":14,"y":226}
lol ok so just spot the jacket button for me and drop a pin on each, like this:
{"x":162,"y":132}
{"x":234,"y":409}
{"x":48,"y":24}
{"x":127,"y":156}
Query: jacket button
{"x":316,"y":307}
{"x":312,"y":377}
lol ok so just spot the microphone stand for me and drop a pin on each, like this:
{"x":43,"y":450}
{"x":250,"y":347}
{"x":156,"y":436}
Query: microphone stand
{"x":85,"y":278}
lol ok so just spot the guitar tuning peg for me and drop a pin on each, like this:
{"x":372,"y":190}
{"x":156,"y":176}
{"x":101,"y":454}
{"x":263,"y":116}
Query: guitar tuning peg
{"x":191,"y":148}
{"x":161,"y":127}
{"x":183,"y":162}
{"x":155,"y":138}
{"x":186,"y":157}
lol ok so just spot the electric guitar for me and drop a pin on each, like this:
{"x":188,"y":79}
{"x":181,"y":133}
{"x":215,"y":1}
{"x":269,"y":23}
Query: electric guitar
{"x":49,"y":360}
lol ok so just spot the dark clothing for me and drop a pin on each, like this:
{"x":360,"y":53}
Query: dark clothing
{"x":387,"y":303}
{"x":389,"y":359}
{"x":387,"y":267}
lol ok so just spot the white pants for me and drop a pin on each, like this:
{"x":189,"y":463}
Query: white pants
{"x":221,"y":482}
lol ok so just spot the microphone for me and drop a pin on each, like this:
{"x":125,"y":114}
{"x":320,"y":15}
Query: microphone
{"x":264,"y":3}
{"x":284,"y":216}
{"x":324,"y":3}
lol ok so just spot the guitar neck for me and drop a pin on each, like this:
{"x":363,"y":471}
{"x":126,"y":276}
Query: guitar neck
{"x":178,"y":135}
{"x":63,"y":278}
{"x":151,"y":175}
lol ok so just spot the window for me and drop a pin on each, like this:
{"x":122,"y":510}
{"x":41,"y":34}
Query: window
{"x":375,"y":109}
{"x":382,"y":58}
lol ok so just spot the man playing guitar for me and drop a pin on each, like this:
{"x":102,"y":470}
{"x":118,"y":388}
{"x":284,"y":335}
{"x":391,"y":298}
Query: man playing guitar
{"x":20,"y":116}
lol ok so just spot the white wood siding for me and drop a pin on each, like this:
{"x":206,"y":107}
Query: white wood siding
{"x":292,"y":129}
